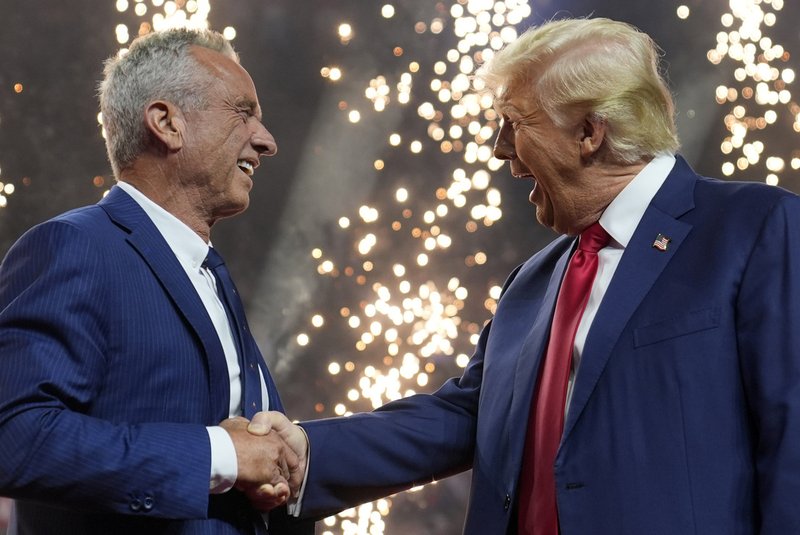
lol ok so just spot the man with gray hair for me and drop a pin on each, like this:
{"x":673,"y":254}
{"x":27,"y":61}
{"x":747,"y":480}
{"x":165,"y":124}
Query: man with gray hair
{"x":641,"y":373}
{"x":123,"y":342}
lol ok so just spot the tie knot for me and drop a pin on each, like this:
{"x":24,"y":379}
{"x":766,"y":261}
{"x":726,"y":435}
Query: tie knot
{"x":213,"y":259}
{"x":593,"y":239}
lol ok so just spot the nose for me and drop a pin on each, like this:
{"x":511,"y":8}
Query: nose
{"x":262,"y":141}
{"x":504,"y":148}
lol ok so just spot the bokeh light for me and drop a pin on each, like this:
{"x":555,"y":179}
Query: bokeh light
{"x":759,"y":91}
{"x":405,"y":310}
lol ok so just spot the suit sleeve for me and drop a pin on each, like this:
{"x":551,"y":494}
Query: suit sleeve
{"x":405,"y":443}
{"x":768,"y":332}
{"x":53,"y":359}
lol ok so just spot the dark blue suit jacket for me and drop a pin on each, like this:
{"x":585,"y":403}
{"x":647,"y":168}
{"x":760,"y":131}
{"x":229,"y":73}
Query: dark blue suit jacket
{"x":685,"y":417}
{"x":110,"y":369}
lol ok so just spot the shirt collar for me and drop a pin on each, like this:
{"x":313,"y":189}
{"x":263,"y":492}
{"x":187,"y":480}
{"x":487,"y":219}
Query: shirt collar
{"x":622,"y":216}
{"x":189,"y":248}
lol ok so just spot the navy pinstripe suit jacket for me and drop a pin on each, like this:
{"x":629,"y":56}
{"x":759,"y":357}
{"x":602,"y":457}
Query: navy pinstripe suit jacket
{"x":110,"y":369}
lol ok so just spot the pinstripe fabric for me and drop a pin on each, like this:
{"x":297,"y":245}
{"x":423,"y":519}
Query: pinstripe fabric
{"x":109,"y":372}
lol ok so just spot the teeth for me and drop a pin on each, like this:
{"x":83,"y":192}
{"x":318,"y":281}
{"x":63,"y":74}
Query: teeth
{"x":245,"y":166}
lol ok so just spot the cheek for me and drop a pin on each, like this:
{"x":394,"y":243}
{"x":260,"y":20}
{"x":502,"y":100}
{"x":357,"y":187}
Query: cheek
{"x":233,"y":131}
{"x":535,"y":153}
{"x":241,"y":133}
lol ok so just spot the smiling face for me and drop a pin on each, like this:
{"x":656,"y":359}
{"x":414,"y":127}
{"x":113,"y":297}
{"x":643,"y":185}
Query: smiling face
{"x":553,"y":157}
{"x":222,"y":142}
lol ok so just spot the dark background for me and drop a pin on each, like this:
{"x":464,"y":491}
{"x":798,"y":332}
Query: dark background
{"x":52,"y":151}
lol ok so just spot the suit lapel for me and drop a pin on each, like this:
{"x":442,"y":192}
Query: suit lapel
{"x":275,"y":403}
{"x":531,"y":352}
{"x":151,"y":246}
{"x":639,"y":268}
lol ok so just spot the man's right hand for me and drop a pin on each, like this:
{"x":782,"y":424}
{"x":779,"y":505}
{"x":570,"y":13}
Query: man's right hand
{"x":269,"y":471}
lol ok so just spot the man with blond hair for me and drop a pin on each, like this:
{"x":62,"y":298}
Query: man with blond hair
{"x":641,"y":373}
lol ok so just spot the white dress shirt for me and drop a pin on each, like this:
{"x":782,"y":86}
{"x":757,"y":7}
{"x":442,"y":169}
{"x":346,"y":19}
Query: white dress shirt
{"x":620,"y":220}
{"x":191,"y":251}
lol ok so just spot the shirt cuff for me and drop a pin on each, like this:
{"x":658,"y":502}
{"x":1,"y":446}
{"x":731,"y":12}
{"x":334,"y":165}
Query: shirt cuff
{"x":224,"y":468}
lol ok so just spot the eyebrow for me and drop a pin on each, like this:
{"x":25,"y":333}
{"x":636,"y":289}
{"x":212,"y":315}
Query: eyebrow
{"x":502,"y":102}
{"x":504,"y":108}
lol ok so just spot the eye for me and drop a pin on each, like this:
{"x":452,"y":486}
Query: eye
{"x":513,"y":124}
{"x":245,"y":112}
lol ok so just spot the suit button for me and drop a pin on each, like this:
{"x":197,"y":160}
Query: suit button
{"x":136,"y":504}
{"x":148,"y":503}
{"x":507,"y":502}
{"x":252,"y":366}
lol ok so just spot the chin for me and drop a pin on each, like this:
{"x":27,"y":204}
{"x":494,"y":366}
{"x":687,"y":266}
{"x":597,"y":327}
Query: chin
{"x":241,"y":200}
{"x":543,"y":220}
{"x":237,"y":208}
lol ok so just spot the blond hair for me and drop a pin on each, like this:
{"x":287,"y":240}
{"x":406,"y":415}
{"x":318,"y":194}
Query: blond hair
{"x":576,"y":68}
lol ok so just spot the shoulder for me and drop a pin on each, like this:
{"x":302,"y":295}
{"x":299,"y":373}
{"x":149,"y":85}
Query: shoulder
{"x":85,"y":224}
{"x":754,"y":222}
{"x":68,"y":243}
{"x":546,"y":258}
{"x":84,"y":221}
{"x":539,"y":267}
{"x":752,"y":195}
{"x":743,"y":209}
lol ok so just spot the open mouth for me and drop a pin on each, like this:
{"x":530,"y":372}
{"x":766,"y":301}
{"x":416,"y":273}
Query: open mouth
{"x":246,"y":167}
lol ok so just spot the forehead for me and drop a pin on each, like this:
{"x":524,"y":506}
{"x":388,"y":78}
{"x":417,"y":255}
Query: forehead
{"x":516,"y":99}
{"x":232,"y":75}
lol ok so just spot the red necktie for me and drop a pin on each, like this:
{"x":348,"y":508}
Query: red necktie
{"x":538,"y":514}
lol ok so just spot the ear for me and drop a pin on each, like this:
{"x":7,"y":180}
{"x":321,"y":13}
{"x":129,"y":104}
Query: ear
{"x":591,"y":134}
{"x":165,"y":122}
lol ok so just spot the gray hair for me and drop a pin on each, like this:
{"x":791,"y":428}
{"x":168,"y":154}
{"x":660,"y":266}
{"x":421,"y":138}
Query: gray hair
{"x":157,"y":66}
{"x":607,"y":69}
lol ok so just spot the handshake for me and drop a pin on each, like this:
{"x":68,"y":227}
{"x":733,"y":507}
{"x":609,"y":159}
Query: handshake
{"x":272,"y":454}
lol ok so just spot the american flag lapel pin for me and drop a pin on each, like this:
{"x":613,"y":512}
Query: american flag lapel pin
{"x":662,"y":242}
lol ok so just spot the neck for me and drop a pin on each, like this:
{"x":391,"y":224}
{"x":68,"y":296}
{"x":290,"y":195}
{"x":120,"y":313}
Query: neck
{"x":608,"y":181}
{"x":615,"y":178}
{"x":167,"y":191}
